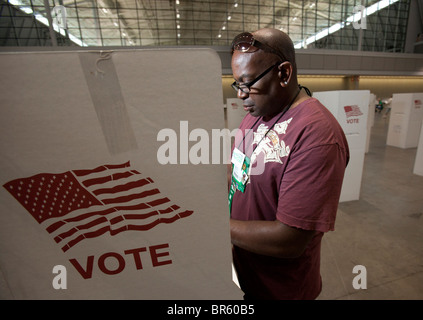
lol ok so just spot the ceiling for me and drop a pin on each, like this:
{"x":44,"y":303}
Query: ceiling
{"x":213,"y":23}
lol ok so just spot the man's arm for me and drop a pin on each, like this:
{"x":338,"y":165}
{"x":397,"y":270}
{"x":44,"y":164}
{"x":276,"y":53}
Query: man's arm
{"x":270,"y":238}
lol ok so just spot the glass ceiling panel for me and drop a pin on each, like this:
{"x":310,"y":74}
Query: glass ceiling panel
{"x":310,"y":23}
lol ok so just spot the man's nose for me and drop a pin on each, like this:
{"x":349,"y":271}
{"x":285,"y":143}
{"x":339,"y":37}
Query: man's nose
{"x":241,"y":94}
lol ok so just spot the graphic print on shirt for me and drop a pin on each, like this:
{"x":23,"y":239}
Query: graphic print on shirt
{"x":268,"y":142}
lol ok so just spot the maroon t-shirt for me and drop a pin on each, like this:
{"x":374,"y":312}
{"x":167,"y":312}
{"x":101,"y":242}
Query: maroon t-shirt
{"x":298,"y":165}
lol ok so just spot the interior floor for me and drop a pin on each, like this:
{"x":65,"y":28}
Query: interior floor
{"x":382,"y":231}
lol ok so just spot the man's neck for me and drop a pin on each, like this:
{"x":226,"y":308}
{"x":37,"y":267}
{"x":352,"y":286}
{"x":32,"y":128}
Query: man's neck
{"x":293,"y":97}
{"x":303,"y":96}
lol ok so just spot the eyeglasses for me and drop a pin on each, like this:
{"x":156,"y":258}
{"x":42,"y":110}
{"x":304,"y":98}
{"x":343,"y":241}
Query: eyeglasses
{"x":246,"y":87}
{"x":245,"y":42}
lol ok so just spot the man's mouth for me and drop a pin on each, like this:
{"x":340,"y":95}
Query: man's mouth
{"x":248,"y":108}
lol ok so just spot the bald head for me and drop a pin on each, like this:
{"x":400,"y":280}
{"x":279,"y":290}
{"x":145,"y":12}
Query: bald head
{"x":279,"y":41}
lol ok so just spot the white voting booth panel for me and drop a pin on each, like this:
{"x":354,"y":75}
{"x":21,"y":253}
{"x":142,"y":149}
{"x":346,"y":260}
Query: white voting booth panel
{"x":370,"y":119}
{"x":418,"y":163}
{"x":405,"y":120}
{"x":234,"y":113}
{"x":101,"y":195}
{"x":350,"y":108}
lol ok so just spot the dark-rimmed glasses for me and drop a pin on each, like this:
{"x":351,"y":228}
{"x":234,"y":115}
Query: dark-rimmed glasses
{"x":246,"y":87}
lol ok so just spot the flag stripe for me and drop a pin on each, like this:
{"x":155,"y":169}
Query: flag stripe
{"x":113,"y":232}
{"x":72,"y":231}
{"x":137,"y":216}
{"x":85,"y":172}
{"x":139,"y":206}
{"x":115,"y":220}
{"x":87,"y":235}
{"x":112,"y":220}
{"x":122,"y":187}
{"x":170,"y":209}
{"x":131,"y":197}
{"x":80,"y":217}
{"x":186,"y":213}
{"x":113,"y":177}
{"x":158,"y":202}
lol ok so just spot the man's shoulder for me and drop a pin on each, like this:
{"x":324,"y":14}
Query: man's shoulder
{"x":316,"y":125}
{"x":313,"y":113}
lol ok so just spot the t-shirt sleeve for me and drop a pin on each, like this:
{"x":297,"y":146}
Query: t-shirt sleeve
{"x":310,"y":188}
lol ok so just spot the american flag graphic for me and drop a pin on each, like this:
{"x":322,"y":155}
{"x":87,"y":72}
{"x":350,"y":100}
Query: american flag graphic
{"x":352,"y":111}
{"x":81,"y":204}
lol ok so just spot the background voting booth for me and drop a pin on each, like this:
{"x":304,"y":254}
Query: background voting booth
{"x":350,"y":108}
{"x":98,"y":180}
{"x":418,"y":163}
{"x":370,"y":119}
{"x":405,"y":120}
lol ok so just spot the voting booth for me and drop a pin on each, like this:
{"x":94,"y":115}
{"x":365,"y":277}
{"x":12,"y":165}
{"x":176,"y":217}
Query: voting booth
{"x":405,"y":120}
{"x":111,"y":184}
{"x":350,"y":108}
{"x":370,"y":119}
{"x":234,"y":113}
{"x":418,"y":163}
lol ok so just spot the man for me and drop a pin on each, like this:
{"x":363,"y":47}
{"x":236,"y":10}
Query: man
{"x":291,"y":155}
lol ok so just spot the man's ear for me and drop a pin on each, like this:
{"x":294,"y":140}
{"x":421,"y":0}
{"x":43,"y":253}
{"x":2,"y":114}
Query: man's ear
{"x":285,"y":73}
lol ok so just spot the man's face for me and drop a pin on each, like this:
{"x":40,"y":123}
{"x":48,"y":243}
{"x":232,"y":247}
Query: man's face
{"x":265,"y":96}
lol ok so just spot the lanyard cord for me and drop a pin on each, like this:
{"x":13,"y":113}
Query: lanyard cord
{"x":282,"y":114}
